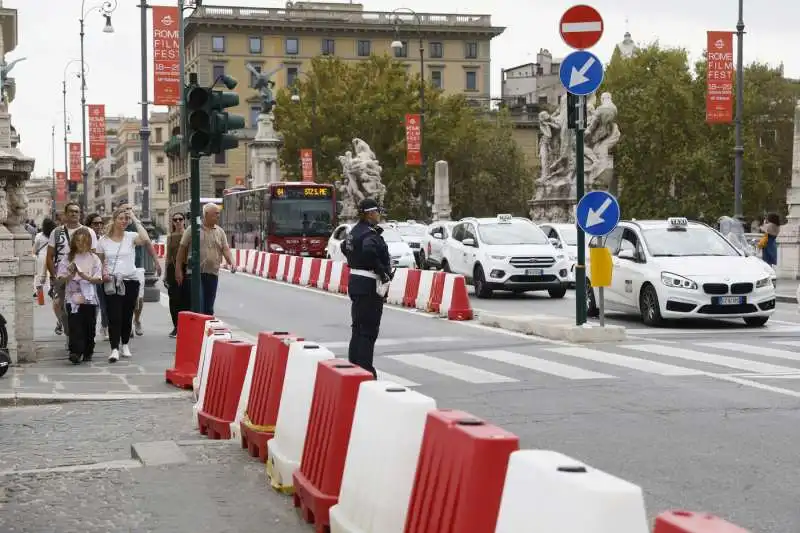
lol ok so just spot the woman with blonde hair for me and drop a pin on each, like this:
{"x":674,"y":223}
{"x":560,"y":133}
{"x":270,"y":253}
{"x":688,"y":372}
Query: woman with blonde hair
{"x":120,"y":281}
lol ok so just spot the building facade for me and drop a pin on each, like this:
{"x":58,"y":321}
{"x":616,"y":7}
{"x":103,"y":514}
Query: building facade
{"x":533,"y":83}
{"x":40,"y":198}
{"x":224,"y":40}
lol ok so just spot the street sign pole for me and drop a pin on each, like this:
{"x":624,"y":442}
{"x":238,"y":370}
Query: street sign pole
{"x":580,"y":267}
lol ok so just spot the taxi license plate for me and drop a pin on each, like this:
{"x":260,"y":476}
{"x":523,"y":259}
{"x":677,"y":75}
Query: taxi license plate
{"x":534,"y":271}
{"x":730,"y":300}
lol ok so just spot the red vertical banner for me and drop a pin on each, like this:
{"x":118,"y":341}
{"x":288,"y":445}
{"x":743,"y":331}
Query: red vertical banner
{"x":719,"y":79}
{"x":166,"y":59}
{"x":61,"y":187}
{"x":97,"y":131}
{"x":307,"y":164}
{"x":75,"y":162}
{"x":413,"y":140}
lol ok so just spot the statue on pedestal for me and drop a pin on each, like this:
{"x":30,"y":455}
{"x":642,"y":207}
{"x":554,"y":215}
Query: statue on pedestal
{"x":7,"y":86}
{"x":361,"y":178}
{"x":264,"y":85}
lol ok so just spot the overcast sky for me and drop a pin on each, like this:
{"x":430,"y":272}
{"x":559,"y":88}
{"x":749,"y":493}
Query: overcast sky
{"x":49,"y":38}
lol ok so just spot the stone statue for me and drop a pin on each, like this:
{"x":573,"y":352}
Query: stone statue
{"x":17,"y":200}
{"x":7,"y":85}
{"x":556,"y":185}
{"x":361,"y":178}
{"x":3,"y":202}
{"x":264,"y":85}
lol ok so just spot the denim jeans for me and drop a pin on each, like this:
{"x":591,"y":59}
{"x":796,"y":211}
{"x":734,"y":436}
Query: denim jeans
{"x":208,"y":293}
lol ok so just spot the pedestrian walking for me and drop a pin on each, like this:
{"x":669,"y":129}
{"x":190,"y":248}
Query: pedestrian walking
{"x":213,"y":248}
{"x":81,"y":273}
{"x":178,"y":294}
{"x":769,"y":242}
{"x":370,"y":273}
{"x":40,"y":242}
{"x":95,"y":222}
{"x":121,"y":283}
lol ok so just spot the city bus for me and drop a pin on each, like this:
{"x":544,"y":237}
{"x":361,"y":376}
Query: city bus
{"x":294,"y":218}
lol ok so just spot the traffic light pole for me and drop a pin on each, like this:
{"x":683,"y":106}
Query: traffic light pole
{"x":194,"y":187}
{"x":580,"y":266}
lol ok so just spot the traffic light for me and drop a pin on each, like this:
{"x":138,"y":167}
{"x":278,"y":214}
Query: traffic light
{"x":223,"y":122}
{"x":173,"y":145}
{"x":572,"y":112}
{"x":198,"y":119}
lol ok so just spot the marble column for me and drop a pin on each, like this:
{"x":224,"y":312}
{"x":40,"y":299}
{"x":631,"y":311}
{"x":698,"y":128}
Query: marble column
{"x":789,"y":238}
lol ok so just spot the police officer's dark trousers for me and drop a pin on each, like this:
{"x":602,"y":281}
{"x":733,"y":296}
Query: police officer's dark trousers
{"x":366,"y":311}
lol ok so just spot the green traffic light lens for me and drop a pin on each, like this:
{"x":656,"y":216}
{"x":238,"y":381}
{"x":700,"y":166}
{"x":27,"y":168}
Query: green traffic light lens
{"x":200,"y":120}
{"x":199,"y":141}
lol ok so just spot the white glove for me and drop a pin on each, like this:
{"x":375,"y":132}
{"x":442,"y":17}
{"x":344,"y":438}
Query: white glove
{"x":382,"y":289}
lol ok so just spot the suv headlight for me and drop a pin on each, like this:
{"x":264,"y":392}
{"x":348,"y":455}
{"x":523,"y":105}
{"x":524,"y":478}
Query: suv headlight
{"x":764,"y":282}
{"x":679,"y":282}
{"x":498,"y":257}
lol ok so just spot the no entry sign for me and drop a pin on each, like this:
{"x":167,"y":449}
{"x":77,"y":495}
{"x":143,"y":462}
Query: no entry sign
{"x":581,"y":27}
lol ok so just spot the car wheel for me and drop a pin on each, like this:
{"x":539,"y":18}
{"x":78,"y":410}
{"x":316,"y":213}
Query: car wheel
{"x":5,"y":361}
{"x":423,"y":263}
{"x":557,"y":293}
{"x":445,"y":266}
{"x":756,"y":321}
{"x":482,"y":290}
{"x":649,"y":307}
{"x":592,"y":311}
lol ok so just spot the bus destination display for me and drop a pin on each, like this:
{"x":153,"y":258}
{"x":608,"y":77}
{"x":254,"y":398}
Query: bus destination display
{"x":301,"y":192}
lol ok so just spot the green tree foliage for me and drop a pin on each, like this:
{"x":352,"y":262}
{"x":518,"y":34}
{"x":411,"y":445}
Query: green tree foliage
{"x":369,"y":99}
{"x":669,"y":161}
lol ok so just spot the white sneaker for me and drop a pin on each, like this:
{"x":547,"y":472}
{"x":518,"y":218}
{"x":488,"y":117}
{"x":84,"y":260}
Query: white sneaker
{"x":114,"y":357}
{"x":105,"y":334}
{"x":126,"y":352}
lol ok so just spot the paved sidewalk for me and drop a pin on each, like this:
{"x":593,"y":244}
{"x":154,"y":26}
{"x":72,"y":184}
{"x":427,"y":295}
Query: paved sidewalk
{"x":54,"y":377}
{"x":787,"y":290}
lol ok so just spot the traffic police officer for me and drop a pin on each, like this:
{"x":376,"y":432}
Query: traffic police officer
{"x":370,"y":274}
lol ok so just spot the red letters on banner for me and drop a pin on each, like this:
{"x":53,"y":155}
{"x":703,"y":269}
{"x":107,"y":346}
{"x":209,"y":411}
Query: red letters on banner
{"x":719,"y":80}
{"x":307,"y":164}
{"x":97,"y":131}
{"x":413,"y":140}
{"x":166,"y":59}
{"x":61,"y":187}
{"x":75,"y":162}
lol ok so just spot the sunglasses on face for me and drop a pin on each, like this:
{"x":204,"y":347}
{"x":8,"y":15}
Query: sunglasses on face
{"x":177,"y":220}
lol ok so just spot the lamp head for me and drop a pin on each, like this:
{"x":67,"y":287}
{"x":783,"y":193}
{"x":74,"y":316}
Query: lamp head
{"x":397,"y":45}
{"x":295,"y":98}
{"x":229,"y":82}
{"x":108,"y":27}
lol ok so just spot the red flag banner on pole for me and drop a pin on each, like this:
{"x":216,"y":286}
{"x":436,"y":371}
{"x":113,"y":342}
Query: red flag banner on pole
{"x":307,"y":164}
{"x":75,"y":162}
{"x":413,"y":141}
{"x":61,"y":187}
{"x":719,"y":79}
{"x":97,"y":131}
{"x":166,"y":61}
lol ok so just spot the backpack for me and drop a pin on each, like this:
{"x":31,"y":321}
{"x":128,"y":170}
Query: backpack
{"x":57,"y":239}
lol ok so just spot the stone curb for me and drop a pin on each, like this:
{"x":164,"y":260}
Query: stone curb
{"x":786,"y":299}
{"x":553,"y":328}
{"x":14,"y":399}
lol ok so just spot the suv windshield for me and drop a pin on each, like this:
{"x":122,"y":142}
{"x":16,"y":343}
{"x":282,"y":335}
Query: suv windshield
{"x":569,"y":234}
{"x":693,"y":241}
{"x":411,"y":230}
{"x":515,"y":232}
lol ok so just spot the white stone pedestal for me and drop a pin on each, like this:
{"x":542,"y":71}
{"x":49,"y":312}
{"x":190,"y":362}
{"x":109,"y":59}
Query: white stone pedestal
{"x":789,"y":238}
{"x":264,"y":160}
{"x":17,"y":267}
{"x":441,"y":192}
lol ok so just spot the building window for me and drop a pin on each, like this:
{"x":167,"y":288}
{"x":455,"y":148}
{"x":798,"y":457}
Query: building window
{"x":471,"y":50}
{"x":160,"y":183}
{"x":218,"y":43}
{"x":160,"y":160}
{"x":328,"y":47}
{"x":543,"y":100}
{"x":254,"y":112}
{"x":137,"y":156}
{"x":158,"y":136}
{"x":436,"y":79}
{"x":218,"y":71}
{"x":472,"y":80}
{"x":437,"y":50}
{"x":255,"y":45}
{"x":219,"y":159}
{"x":364,"y":48}
{"x":402,"y":51}
{"x":219,"y":188}
{"x":258,"y":67}
{"x":291,"y":76}
{"x":292,"y":46}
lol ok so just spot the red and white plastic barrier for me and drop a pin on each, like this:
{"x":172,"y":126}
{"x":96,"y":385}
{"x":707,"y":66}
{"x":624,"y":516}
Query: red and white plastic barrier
{"x":160,"y":248}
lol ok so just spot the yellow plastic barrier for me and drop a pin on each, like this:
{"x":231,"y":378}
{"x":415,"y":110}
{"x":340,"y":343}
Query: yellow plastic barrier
{"x":601,"y":267}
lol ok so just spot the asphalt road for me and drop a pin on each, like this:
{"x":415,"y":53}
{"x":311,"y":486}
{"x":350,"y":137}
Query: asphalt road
{"x":702,"y":418}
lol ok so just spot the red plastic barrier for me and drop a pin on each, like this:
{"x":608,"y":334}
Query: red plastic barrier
{"x":272,"y":269}
{"x":460,"y":306}
{"x":258,"y":426}
{"x":298,"y":269}
{"x":224,"y":387}
{"x":319,"y":478}
{"x":690,"y":522}
{"x":344,"y":281}
{"x":191,"y":327}
{"x":327,"y":275}
{"x":460,"y":474}
{"x":313,"y":275}
{"x":437,"y":289}
{"x":412,"y":287}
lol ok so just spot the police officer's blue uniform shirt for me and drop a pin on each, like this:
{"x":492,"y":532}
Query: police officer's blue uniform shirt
{"x":365,"y":249}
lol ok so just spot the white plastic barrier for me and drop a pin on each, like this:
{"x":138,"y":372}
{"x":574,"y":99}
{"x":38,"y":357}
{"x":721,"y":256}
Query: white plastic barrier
{"x":279,"y":275}
{"x":261,"y":264}
{"x":336,"y":276}
{"x":251,"y":261}
{"x":286,"y":449}
{"x":305,"y":271}
{"x":397,"y":288}
{"x":236,"y":433}
{"x":323,"y":269}
{"x":548,"y":492}
{"x":424,"y":292}
{"x":381,"y":459}
{"x":447,"y":294}
{"x":217,"y":331}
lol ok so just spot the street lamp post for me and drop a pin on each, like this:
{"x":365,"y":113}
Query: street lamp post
{"x":739,"y":148}
{"x":53,"y":173}
{"x":105,"y":9}
{"x":316,"y":145}
{"x":64,"y":109}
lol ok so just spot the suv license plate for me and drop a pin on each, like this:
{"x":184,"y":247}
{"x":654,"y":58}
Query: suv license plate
{"x":534,"y":271}
{"x":730,"y":300}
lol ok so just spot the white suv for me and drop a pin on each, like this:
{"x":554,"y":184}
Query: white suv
{"x":505,"y":253}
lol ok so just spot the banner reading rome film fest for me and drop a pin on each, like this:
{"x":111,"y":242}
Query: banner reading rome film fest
{"x":97,"y":132}
{"x":166,"y":61}
{"x":719,"y":79}
{"x":75,"y":162}
{"x":413,"y":141}
{"x":61,"y":187}
{"x":307,"y":164}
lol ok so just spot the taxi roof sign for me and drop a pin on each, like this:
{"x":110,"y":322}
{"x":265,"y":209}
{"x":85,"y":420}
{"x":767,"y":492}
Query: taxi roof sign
{"x":678,"y":221}
{"x":504,"y":218}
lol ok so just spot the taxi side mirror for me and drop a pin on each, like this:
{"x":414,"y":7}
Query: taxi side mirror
{"x":469,"y":242}
{"x":438,"y":235}
{"x":555,"y":242}
{"x":628,"y":254}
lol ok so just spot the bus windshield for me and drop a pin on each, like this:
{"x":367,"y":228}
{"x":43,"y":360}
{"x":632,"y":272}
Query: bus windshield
{"x":307,"y":217}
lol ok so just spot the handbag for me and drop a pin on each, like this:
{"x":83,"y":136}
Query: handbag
{"x":110,"y":286}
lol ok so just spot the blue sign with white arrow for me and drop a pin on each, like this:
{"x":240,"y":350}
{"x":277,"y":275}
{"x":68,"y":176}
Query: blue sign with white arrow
{"x":581,"y":73}
{"x":597,"y":213}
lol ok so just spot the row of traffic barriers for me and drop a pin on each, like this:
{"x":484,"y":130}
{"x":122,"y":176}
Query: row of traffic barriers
{"x":364,"y":456}
{"x":441,"y":293}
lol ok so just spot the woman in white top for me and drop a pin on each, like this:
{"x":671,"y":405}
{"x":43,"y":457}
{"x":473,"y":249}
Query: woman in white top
{"x":40,"y":242}
{"x":120,"y":282}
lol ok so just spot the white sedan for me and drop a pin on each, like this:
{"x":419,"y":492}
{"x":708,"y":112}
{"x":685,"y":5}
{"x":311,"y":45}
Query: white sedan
{"x":677,"y":269}
{"x":401,"y":253}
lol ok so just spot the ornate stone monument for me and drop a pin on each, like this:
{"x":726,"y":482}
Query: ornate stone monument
{"x":264,"y":160}
{"x":554,"y":199}
{"x":789,"y":238}
{"x":17,"y":266}
{"x":441,"y":192}
{"x":361,"y":178}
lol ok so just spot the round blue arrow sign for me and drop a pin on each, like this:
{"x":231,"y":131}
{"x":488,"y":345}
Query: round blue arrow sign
{"x":581,"y":73}
{"x":598,"y":213}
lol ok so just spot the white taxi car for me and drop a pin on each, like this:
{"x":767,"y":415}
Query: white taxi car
{"x":413,"y":233}
{"x":564,"y":237}
{"x":505,"y":253}
{"x":430,"y":256}
{"x":402,"y":256}
{"x":674,"y":268}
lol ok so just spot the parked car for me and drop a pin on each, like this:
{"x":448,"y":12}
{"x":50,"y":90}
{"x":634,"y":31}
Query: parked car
{"x":401,"y":253}
{"x":433,"y":244}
